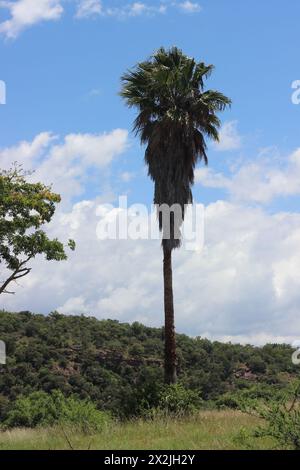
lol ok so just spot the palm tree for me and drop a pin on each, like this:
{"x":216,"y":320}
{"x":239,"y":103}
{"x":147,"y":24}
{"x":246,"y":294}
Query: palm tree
{"x":175,"y":114}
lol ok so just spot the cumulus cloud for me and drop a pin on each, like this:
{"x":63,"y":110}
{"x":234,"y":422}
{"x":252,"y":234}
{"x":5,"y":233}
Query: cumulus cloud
{"x":209,"y":178}
{"x":251,"y":260}
{"x":258,"y":181}
{"x":65,"y":163}
{"x":229,"y":137}
{"x":26,"y":13}
{"x":25,"y":152}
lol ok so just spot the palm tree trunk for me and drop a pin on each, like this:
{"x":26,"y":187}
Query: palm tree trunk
{"x":170,"y":341}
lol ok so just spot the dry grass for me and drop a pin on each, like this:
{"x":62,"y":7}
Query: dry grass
{"x":209,"y":430}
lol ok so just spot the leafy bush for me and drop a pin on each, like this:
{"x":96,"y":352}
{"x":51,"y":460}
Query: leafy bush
{"x":42,"y":409}
{"x":227,"y":401}
{"x":236,"y":399}
{"x":178,"y":401}
{"x":257,"y":365}
{"x":282,"y":424}
{"x":282,"y":418}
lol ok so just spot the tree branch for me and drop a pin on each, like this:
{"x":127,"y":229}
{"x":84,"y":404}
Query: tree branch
{"x":18,"y":273}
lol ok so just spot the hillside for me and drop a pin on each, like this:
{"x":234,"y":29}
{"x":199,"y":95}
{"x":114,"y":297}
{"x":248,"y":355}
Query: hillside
{"x":119,"y":366}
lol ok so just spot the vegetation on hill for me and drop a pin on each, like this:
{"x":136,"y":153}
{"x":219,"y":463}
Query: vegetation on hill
{"x":119,"y":367}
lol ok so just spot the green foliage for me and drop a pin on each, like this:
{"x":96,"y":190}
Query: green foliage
{"x":206,"y":430}
{"x":119,"y":367}
{"x":282,"y":419}
{"x":228,"y":401}
{"x":24,"y":209}
{"x":235,"y":399}
{"x":136,"y":350}
{"x":257,"y":365}
{"x":44,"y":409}
{"x":178,"y":401}
{"x":175,"y":115}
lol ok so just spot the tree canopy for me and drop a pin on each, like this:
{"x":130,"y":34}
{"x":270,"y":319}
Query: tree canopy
{"x":25,"y":208}
{"x":175,"y":115}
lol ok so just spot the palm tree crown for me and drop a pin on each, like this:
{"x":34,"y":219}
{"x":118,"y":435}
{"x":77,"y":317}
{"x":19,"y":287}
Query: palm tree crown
{"x":175,"y":115}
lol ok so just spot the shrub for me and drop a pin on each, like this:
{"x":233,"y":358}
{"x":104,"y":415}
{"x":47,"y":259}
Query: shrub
{"x":236,"y":399}
{"x":257,"y":365}
{"x":136,"y":350}
{"x":42,"y":409}
{"x":85,"y":415}
{"x":282,"y":424}
{"x":282,"y":419}
{"x":178,"y":401}
{"x":227,"y":401}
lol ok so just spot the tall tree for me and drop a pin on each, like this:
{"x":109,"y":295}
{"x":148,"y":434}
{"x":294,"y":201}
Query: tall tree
{"x":24,"y":208}
{"x":175,"y":115}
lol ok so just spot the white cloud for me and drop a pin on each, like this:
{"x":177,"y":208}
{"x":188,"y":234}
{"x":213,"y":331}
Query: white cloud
{"x":25,"y":152}
{"x":258,"y":339}
{"x":87,"y":8}
{"x":76,"y":305}
{"x":26,"y":13}
{"x":251,"y":260}
{"x":258,"y":181}
{"x":135,"y":9}
{"x":229,"y":137}
{"x":65,"y":163}
{"x":211,"y":179}
{"x":190,"y":7}
{"x":138,"y":8}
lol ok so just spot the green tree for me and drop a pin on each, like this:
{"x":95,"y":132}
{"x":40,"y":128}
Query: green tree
{"x":24,"y":208}
{"x":257,"y":365}
{"x":175,"y":114}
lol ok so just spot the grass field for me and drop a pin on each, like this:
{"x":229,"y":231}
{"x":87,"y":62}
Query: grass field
{"x":208,"y":430}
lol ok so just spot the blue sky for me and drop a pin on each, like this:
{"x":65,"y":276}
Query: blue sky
{"x":63,"y":75}
{"x":62,"y":60}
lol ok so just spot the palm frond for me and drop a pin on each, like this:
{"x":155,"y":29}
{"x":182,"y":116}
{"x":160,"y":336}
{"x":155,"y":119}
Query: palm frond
{"x":175,"y":114}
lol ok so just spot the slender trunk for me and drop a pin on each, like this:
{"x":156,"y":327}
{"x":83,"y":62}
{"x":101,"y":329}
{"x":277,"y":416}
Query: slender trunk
{"x":170,"y":341}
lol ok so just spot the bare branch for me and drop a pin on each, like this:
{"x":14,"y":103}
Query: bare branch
{"x":18,"y":273}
